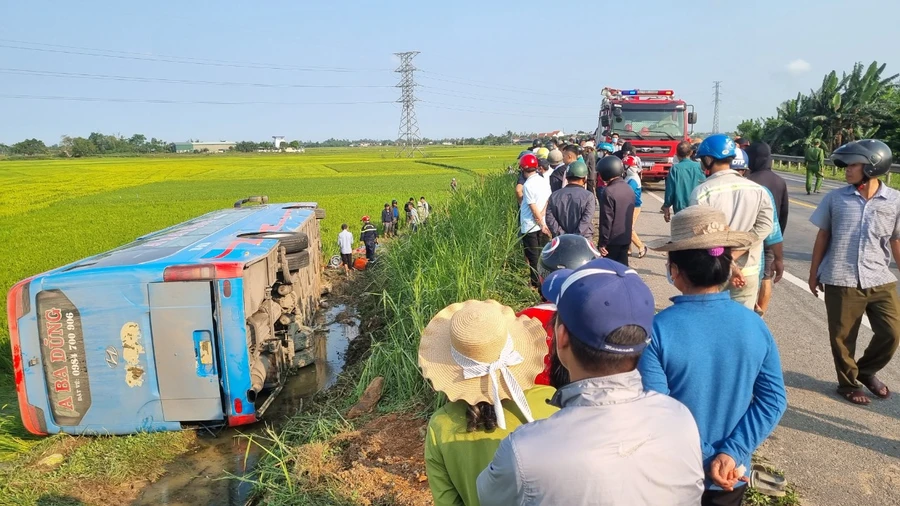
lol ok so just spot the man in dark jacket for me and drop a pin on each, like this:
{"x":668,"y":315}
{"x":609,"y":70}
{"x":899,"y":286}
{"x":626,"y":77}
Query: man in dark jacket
{"x":616,"y":211}
{"x":387,"y":220}
{"x":590,"y":159}
{"x":571,"y":210}
{"x":759,"y":162}
{"x":369,"y":237}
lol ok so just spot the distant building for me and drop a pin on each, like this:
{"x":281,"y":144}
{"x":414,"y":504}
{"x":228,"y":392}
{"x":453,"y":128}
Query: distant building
{"x":277,"y":140}
{"x":212,"y":147}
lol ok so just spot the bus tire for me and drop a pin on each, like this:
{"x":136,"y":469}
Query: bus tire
{"x":297,"y":261}
{"x":293,"y":242}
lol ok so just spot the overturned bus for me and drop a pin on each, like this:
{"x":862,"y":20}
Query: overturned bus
{"x":195,"y":325}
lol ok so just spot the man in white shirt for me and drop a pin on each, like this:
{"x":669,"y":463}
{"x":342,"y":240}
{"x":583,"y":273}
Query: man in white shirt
{"x":535,"y":194}
{"x":345,"y":242}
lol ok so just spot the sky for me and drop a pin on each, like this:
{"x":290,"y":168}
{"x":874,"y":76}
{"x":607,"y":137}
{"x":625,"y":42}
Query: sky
{"x":232,"y":70}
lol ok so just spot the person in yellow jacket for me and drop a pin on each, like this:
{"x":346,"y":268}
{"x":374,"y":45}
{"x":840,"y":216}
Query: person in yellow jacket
{"x":485,"y":360}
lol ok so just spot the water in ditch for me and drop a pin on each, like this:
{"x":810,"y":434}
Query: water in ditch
{"x":198,"y":478}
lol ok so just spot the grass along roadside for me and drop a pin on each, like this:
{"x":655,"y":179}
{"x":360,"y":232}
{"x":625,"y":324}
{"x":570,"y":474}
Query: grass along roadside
{"x":63,"y":470}
{"x":469,"y":250}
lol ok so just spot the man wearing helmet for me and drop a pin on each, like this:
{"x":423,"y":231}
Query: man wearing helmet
{"x":369,"y":236}
{"x":616,"y":211}
{"x":558,"y":258}
{"x":571,"y":210}
{"x":535,"y":193}
{"x":859,"y":231}
{"x":747,"y":207}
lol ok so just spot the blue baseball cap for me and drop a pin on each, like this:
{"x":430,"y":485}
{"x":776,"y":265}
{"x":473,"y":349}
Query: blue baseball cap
{"x":602,"y":296}
{"x":552,"y":283}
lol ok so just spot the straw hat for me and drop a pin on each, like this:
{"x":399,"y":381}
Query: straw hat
{"x":479,"y":330}
{"x":702,"y":227}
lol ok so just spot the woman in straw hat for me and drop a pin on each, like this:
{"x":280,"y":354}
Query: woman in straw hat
{"x":484,"y":359}
{"x":713,"y":354}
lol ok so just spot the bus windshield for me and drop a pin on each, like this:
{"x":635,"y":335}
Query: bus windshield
{"x":649,"y":122}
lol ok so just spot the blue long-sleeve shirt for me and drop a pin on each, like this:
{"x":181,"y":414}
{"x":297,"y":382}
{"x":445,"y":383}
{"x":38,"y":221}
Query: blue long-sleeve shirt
{"x":719,"y":359}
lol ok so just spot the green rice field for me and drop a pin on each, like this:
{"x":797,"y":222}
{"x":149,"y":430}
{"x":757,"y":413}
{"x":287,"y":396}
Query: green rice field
{"x":53,"y":212}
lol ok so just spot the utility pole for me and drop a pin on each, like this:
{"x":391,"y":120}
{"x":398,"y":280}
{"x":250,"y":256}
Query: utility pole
{"x":408,"y":137}
{"x":715,"y":125}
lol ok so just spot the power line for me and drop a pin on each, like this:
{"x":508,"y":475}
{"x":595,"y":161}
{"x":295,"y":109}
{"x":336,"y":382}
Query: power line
{"x":457,"y":107}
{"x":715,"y":126}
{"x":408,"y":135}
{"x":107,"y":77}
{"x":467,"y":96}
{"x":183,"y":60}
{"x":186,"y":102}
{"x":507,"y":89}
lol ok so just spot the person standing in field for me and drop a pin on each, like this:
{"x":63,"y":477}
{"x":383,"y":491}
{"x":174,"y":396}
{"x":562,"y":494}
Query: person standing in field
{"x":484,"y":359}
{"x":453,"y":184}
{"x":571,"y":210}
{"x":616,"y":211}
{"x":345,"y":244}
{"x":706,"y":338}
{"x":814,"y":156}
{"x":533,"y":227}
{"x":369,"y":237}
{"x":633,"y":178}
{"x":412,"y":215}
{"x":759,"y":161}
{"x":387,"y":220}
{"x":396,"y":212}
{"x":612,"y":442}
{"x":424,"y":210}
{"x":684,"y":176}
{"x":859,"y":230}
{"x":747,"y":207}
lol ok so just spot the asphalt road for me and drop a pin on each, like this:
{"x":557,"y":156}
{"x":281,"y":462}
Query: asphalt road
{"x":834,"y":452}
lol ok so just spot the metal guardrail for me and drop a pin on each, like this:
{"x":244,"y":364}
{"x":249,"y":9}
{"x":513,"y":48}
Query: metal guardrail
{"x":800,"y":161}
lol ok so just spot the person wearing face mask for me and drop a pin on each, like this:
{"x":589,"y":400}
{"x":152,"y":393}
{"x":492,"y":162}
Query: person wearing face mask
{"x":686,"y":353}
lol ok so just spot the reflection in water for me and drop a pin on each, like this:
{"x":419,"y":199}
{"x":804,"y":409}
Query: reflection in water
{"x":197,"y":478}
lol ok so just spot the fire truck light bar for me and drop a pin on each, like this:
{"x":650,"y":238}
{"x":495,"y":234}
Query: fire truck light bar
{"x":647,"y":92}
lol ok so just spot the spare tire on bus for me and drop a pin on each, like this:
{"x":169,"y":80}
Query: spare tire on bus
{"x":297,"y":261}
{"x":293,"y":242}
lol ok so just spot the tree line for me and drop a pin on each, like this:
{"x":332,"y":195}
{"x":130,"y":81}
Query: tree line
{"x":861,"y":104}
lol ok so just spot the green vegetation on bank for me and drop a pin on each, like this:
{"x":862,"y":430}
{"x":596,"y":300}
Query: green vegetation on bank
{"x":469,"y":250}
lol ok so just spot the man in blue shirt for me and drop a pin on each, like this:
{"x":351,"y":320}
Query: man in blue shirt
{"x":683,"y":177}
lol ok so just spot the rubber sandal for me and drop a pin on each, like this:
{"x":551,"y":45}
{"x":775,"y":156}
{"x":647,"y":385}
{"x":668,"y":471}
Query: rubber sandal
{"x":767,"y":483}
{"x":643,"y":252}
{"x":876,"y":386}
{"x":856,"y":394}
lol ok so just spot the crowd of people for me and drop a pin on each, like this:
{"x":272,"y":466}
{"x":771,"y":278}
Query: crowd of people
{"x":591,"y":396}
{"x":416,"y":215}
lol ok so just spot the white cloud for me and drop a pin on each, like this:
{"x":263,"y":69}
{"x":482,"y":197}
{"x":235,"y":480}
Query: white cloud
{"x":798,"y":66}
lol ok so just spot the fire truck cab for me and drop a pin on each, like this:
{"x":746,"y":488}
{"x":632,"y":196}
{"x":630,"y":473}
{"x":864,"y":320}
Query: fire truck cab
{"x":654,"y":121}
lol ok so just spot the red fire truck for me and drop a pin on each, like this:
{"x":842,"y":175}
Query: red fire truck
{"x":654,"y":121}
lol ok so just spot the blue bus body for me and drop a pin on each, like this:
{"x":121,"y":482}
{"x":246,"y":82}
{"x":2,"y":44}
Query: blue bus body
{"x":185,"y":325}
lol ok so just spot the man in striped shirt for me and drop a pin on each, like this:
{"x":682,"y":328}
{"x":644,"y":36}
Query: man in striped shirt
{"x":747,"y":207}
{"x":859,"y":230}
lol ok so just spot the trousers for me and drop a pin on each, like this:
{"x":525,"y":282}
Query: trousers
{"x":845,"y":307}
{"x":619,"y":253}
{"x":814,"y":172}
{"x":533,"y":243}
{"x":723,"y":497}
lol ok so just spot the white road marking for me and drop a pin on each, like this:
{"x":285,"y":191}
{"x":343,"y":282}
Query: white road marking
{"x":790,"y":278}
